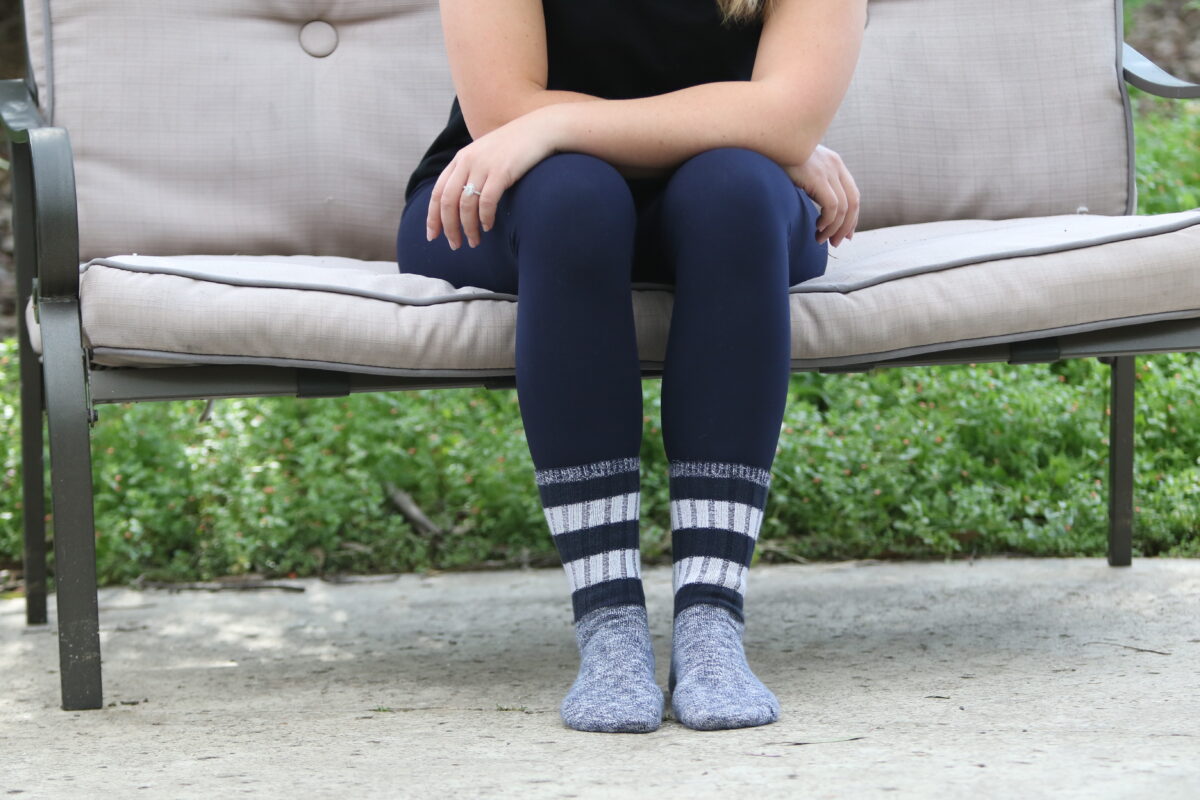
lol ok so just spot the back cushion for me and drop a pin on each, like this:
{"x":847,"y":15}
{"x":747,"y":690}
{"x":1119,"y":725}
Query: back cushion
{"x":226,"y":126}
{"x":291,"y":126}
{"x":988,"y":109}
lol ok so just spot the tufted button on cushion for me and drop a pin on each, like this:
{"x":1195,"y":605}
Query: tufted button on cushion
{"x":318,"y":38}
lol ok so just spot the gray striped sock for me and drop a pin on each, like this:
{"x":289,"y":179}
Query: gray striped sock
{"x":614,"y":691}
{"x":716,"y":513}
{"x":712,"y":686}
{"x":593,"y":513}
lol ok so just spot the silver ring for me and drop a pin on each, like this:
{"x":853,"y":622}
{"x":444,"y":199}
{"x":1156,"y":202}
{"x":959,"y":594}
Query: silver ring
{"x":470,"y":189}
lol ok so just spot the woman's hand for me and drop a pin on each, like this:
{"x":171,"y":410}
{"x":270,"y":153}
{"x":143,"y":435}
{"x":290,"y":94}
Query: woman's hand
{"x":492,"y":163}
{"x":832,"y":187}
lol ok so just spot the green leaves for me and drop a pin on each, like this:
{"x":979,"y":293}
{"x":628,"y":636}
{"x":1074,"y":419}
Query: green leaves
{"x":924,"y":463}
{"x":1168,"y":154}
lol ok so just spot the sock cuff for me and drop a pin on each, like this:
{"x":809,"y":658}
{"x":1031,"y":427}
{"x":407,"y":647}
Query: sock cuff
{"x":583,"y":472}
{"x":716,"y":514}
{"x":720,"y":469}
{"x":593,"y":511}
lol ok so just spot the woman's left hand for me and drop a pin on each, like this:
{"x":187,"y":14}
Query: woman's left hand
{"x":831,"y":186}
{"x":492,"y":163}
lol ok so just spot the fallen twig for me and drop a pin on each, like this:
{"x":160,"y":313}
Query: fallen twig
{"x":814,"y":741}
{"x":339,"y":578}
{"x":217,"y":586}
{"x":1131,"y":647}
{"x":411,"y":511}
{"x":767,"y":547}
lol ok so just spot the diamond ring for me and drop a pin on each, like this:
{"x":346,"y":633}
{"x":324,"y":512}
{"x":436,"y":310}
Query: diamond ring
{"x":470,"y":189}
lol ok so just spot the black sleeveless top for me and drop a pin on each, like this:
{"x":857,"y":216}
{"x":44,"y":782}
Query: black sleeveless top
{"x":622,"y":49}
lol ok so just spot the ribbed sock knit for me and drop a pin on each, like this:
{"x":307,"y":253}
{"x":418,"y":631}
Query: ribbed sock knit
{"x":712,"y":686}
{"x":593,"y":512}
{"x":716,"y":513}
{"x":615,"y":691}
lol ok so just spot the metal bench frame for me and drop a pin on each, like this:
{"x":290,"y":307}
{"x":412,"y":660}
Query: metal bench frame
{"x":64,"y":385}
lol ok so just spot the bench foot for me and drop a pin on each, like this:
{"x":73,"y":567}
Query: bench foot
{"x":1120,"y":462}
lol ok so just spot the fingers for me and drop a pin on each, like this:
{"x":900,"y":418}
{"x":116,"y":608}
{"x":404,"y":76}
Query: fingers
{"x":433,"y":215}
{"x":448,"y":205}
{"x":457,"y":214}
{"x":850,"y":188}
{"x":468,"y":210}
{"x":823,"y":195}
{"x":833,"y":210}
{"x":489,"y":200}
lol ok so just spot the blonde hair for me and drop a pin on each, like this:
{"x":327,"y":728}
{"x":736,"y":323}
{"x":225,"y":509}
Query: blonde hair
{"x":746,"y":10}
{"x":742,"y":10}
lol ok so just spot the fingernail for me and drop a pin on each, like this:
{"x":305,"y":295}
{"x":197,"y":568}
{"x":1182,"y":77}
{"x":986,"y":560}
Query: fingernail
{"x":486,"y":227}
{"x":453,"y":246}
{"x":428,"y":233}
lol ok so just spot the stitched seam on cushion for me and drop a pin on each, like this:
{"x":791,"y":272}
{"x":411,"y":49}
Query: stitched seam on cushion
{"x":848,"y":288}
{"x":258,"y":283}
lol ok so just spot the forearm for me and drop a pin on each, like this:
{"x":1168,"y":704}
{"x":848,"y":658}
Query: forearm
{"x":542,"y":98}
{"x":662,"y":131}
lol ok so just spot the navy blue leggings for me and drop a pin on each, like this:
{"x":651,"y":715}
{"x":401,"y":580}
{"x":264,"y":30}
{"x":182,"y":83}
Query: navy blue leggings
{"x":728,"y":228}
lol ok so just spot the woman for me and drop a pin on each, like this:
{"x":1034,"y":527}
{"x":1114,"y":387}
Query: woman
{"x":595,"y":144}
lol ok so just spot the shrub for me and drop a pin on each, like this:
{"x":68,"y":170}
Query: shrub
{"x":931,"y":462}
{"x":934,"y":462}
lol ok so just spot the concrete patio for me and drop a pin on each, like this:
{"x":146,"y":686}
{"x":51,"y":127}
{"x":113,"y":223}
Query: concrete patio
{"x":999,"y":678}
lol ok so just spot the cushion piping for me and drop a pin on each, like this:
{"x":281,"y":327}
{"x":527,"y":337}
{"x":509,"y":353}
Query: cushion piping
{"x":816,"y":285}
{"x":796,"y":363}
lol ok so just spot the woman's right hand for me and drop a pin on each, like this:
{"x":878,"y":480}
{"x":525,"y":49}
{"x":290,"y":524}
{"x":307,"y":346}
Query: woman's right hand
{"x":832,"y":187}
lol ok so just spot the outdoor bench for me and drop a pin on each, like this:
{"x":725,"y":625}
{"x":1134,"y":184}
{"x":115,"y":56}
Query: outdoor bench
{"x":992,"y":143}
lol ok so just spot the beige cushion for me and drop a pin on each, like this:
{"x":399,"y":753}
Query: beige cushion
{"x":230,"y":126}
{"x":987,"y":110}
{"x":887,"y":293}
{"x":206,"y":126}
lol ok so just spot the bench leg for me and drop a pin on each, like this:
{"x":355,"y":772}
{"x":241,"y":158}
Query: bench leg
{"x":1120,"y":462}
{"x":33,"y":486}
{"x":71,"y":496}
{"x":32,"y":407}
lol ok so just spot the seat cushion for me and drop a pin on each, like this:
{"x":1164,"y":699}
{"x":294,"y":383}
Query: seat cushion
{"x":888,"y":293}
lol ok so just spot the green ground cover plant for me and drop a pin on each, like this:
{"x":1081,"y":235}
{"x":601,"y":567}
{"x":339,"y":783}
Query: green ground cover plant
{"x":914,"y":463}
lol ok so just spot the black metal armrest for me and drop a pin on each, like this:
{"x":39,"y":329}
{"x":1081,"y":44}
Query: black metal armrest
{"x":1149,"y":77}
{"x":19,"y":112}
{"x":43,"y":192}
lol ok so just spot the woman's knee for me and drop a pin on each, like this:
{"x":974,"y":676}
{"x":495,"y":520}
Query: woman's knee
{"x":731,"y":184}
{"x":581,"y":192}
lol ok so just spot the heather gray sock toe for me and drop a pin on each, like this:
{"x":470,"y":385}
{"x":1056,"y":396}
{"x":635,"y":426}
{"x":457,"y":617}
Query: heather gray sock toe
{"x":614,"y":691}
{"x":712,"y":687}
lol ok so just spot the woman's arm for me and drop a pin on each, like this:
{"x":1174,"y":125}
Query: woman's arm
{"x":805,"y":60}
{"x":498,"y":61}
{"x":497,"y":50}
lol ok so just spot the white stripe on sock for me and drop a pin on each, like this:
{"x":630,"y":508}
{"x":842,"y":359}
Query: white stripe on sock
{"x":614,"y":564}
{"x":710,"y":569}
{"x":722,"y":514}
{"x":575,"y":516}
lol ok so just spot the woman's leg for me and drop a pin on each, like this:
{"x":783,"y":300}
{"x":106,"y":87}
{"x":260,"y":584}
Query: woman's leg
{"x":735,"y":234}
{"x":564,"y":243}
